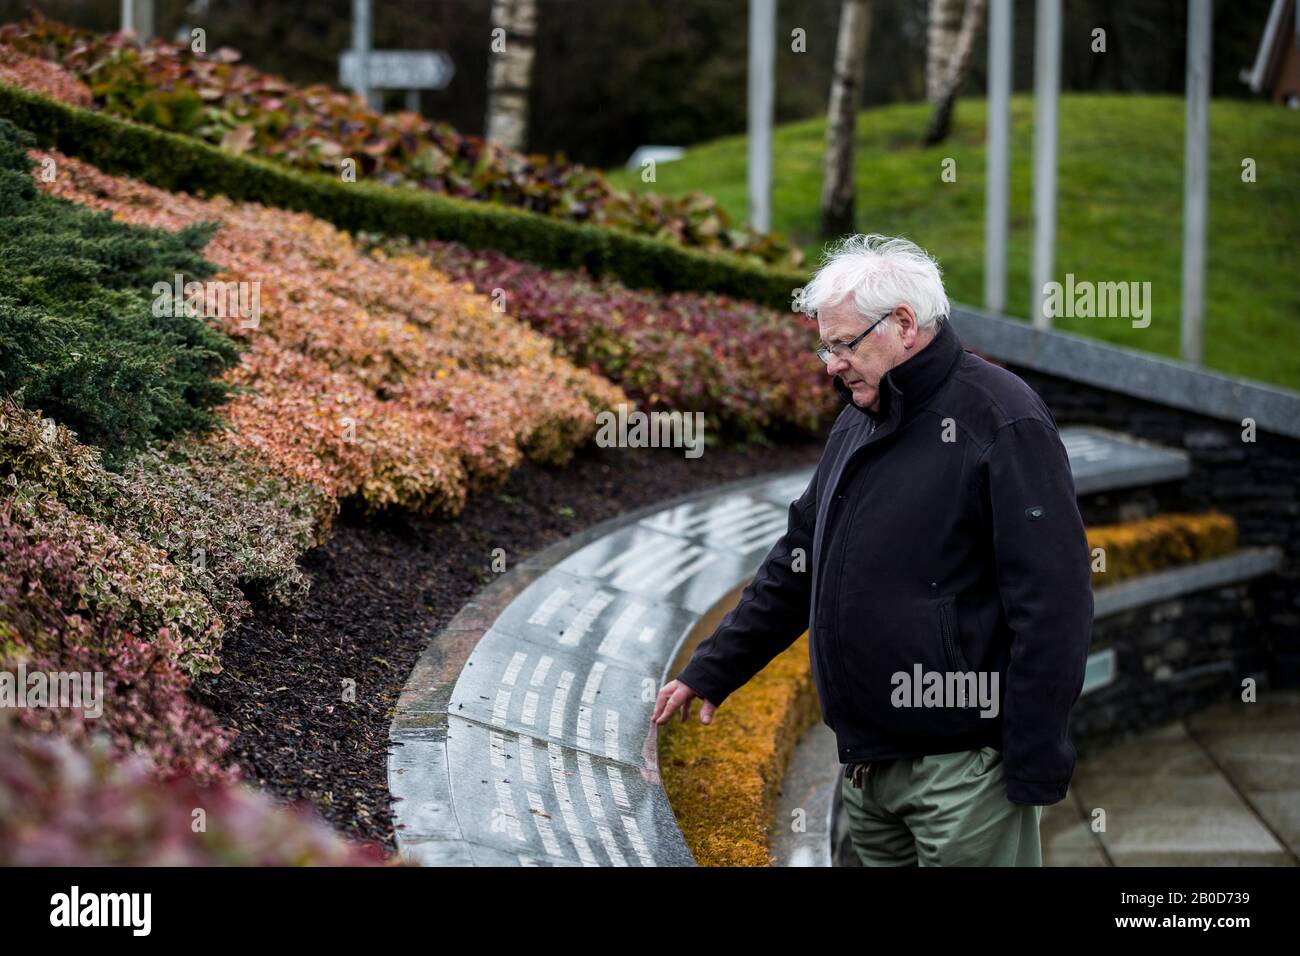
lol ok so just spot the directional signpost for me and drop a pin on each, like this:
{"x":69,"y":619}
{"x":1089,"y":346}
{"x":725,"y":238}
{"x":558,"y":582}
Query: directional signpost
{"x":365,"y":70}
{"x":408,"y":70}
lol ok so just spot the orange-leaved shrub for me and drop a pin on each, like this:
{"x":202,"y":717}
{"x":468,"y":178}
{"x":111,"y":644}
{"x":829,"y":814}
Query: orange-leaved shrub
{"x":370,"y":376}
{"x":176,"y":538}
{"x":43,"y":76}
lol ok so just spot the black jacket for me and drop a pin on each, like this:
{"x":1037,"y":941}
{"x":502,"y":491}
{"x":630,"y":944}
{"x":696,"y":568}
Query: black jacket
{"x":950,"y":538}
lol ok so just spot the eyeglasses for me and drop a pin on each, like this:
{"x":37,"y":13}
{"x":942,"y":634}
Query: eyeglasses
{"x":843,"y":349}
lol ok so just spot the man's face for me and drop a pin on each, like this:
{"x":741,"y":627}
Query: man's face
{"x":862,"y":369}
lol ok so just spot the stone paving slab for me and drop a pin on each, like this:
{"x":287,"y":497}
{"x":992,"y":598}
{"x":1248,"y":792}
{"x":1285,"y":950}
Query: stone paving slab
{"x":524,"y":794}
{"x":663,"y":567}
{"x":1067,"y":838}
{"x":1220,"y":788}
{"x":742,"y":524}
{"x":1257,"y":745}
{"x":419,"y":781}
{"x":1168,"y":804}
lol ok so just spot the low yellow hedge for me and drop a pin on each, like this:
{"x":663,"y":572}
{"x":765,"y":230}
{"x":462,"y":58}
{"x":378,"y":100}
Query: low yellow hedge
{"x":723,"y":779}
{"x":1165,"y":541}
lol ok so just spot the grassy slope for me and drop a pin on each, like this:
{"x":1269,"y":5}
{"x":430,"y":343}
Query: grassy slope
{"x":1119,"y":213}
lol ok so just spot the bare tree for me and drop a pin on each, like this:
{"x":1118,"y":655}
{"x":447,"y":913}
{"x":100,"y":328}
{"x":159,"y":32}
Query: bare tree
{"x":514,"y":24}
{"x":954,"y":74}
{"x":841,"y":118}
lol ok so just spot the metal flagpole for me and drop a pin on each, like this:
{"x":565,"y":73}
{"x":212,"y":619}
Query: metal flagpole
{"x":1195,"y":177}
{"x":762,"y":85}
{"x":1047,"y":82}
{"x":997,"y":157}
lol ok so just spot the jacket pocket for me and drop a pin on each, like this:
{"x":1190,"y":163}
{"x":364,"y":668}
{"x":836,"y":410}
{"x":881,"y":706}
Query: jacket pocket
{"x":951,"y":636}
{"x":894,"y":658}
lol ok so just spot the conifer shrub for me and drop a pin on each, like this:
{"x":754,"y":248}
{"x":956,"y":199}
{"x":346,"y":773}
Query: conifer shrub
{"x":79,"y":339}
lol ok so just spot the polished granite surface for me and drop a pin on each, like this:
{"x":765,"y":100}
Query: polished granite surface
{"x":523,"y":736}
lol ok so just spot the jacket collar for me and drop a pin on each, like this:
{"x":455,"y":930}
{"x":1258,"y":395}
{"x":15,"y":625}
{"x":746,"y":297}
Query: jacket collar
{"x":907,"y":386}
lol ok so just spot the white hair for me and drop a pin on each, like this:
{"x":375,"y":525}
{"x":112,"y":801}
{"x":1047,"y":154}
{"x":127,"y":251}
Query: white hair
{"x":879,"y":272}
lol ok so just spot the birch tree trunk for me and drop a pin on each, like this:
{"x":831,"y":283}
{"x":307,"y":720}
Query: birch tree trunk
{"x":958,"y":66}
{"x":940,"y":42}
{"x":510,"y":73}
{"x":841,"y":119}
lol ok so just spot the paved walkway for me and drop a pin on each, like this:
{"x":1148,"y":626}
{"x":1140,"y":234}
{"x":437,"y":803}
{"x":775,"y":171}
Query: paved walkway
{"x":1219,"y":788}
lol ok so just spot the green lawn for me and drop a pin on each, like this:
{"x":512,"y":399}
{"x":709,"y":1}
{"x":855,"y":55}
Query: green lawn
{"x":1119,"y":212}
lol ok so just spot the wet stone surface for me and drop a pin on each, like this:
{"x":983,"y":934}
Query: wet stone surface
{"x":544,"y":753}
{"x":1105,"y":461}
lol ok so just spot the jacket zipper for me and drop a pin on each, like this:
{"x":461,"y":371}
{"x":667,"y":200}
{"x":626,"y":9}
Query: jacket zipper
{"x":955,"y":659}
{"x":821,"y":653}
{"x":833,"y":629}
{"x":948,"y":649}
{"x":824,"y":638}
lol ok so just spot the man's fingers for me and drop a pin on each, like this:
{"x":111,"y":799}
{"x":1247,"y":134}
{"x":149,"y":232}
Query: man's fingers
{"x":676,"y":696}
{"x":671,"y":697}
{"x":681,"y":701}
{"x":660,"y":699}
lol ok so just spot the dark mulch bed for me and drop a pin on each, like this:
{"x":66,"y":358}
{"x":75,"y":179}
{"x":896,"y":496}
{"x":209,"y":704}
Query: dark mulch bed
{"x":382,"y":588}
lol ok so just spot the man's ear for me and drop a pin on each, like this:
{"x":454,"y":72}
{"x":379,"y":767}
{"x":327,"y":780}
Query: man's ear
{"x":907,"y":324}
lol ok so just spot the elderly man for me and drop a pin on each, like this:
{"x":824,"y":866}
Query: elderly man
{"x":938,"y":561}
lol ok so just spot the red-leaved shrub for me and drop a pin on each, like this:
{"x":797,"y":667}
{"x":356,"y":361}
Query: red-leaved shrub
{"x":76,"y":803}
{"x":215,"y":98}
{"x":748,"y":368}
{"x":44,"y":626}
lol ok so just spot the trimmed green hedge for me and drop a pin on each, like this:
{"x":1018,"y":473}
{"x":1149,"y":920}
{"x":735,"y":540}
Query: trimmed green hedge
{"x":179,"y":163}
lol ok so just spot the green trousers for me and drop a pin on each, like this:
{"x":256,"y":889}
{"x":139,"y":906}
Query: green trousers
{"x":941,"y":810}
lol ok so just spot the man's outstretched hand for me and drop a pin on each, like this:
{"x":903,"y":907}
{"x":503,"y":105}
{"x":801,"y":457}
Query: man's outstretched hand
{"x":677,"y":696}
